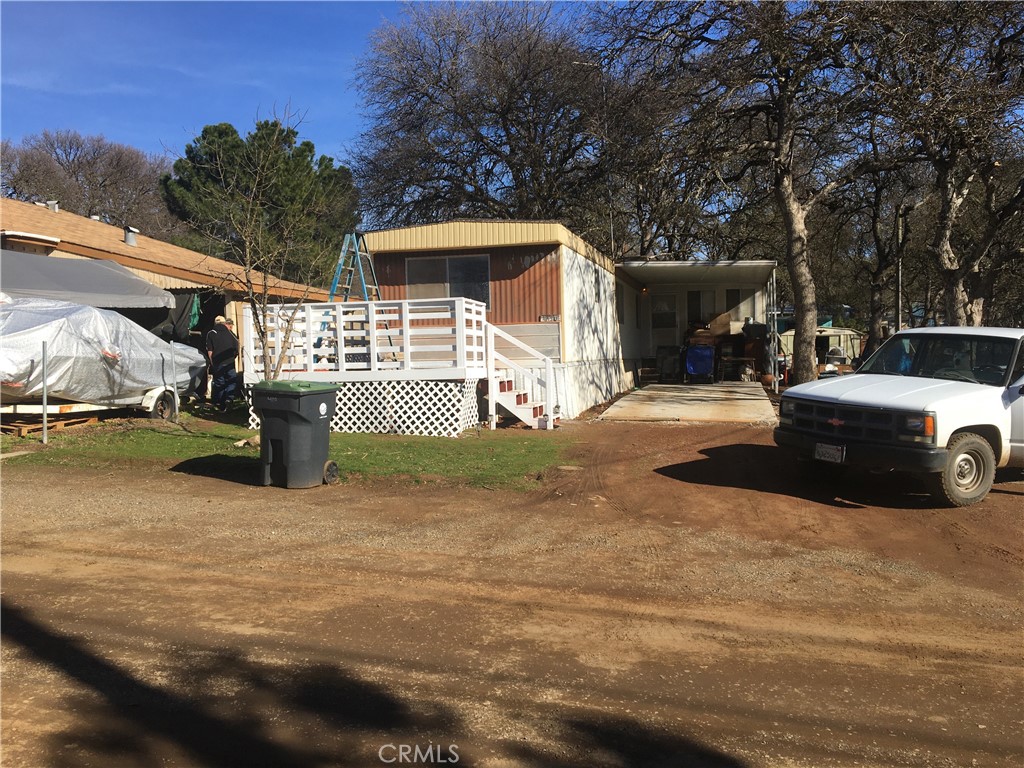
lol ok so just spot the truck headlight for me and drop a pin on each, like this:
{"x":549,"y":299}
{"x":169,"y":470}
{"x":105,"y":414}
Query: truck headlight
{"x":918,"y":428}
{"x":786,"y":409}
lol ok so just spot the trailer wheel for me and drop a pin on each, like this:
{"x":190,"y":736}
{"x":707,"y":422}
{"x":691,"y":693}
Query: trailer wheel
{"x":163,"y":407}
{"x":969,"y":472}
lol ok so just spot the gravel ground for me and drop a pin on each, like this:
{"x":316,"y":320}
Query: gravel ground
{"x":676,"y":597}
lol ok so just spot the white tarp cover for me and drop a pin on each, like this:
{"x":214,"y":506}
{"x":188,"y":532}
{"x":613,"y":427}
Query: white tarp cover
{"x":95,"y":282}
{"x":93,"y":355}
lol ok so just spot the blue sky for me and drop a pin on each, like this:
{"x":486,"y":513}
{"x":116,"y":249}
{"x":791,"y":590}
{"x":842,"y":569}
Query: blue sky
{"x":152,"y":74}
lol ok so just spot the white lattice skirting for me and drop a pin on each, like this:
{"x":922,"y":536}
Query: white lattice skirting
{"x":432,"y":408}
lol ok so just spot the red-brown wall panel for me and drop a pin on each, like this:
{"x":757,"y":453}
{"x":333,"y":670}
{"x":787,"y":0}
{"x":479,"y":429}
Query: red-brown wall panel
{"x":524,"y":281}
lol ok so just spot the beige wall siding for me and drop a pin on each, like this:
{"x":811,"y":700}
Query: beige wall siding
{"x":544,"y":337}
{"x":462,"y":235}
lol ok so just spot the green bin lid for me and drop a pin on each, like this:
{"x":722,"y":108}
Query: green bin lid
{"x":295,"y":387}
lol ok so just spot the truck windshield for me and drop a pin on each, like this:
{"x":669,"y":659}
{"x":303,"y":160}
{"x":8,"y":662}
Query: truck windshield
{"x":977,"y":359}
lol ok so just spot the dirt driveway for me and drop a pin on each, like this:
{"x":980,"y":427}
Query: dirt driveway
{"x":679,"y":600}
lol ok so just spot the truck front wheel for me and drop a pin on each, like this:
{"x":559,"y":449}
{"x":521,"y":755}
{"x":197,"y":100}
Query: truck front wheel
{"x":969,"y":472}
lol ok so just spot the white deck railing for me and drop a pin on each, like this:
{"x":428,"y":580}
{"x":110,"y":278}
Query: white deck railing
{"x":421,"y":344}
{"x":370,"y":341}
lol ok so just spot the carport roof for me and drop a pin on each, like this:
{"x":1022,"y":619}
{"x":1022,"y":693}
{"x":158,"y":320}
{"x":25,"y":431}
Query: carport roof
{"x":94,"y":282}
{"x":752,"y":272}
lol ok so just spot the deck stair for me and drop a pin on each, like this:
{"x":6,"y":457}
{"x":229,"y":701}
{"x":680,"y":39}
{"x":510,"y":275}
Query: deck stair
{"x":517,"y":403}
{"x":510,"y":383}
{"x":649,"y":376}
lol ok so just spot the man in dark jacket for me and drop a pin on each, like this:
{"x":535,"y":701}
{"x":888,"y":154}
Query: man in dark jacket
{"x":222,"y":349}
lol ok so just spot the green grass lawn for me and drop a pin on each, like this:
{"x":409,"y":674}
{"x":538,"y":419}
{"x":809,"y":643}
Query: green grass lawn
{"x":511,"y":458}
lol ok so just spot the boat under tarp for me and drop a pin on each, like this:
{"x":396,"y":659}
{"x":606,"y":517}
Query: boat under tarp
{"x":92,"y":355}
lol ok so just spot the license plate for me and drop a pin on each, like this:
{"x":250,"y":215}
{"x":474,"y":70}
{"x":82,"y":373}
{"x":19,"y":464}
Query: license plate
{"x":833,"y":453}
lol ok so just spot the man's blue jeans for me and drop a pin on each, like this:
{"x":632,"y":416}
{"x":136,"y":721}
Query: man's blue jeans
{"x":225,"y":382}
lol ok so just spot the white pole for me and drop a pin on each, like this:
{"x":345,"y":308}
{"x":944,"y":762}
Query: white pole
{"x":549,"y":392}
{"x":45,"y":437}
{"x":174,"y":385}
{"x":899,"y":292}
{"x":773,"y":330}
{"x":492,"y":378}
{"x":899,"y":269}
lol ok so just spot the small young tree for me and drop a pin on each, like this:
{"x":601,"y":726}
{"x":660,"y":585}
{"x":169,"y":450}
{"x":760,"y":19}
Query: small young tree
{"x":267,"y":203}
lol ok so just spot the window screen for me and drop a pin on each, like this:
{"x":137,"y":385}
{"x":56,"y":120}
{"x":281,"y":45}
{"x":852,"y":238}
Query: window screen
{"x":469,"y":277}
{"x":739,"y":303}
{"x":426,"y":278}
{"x":663,"y":312}
{"x":449,"y":277}
{"x":700,"y":307}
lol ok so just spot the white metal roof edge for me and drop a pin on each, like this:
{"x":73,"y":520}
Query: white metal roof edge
{"x":29,"y":236}
{"x":642,"y":270}
{"x":697,"y":264}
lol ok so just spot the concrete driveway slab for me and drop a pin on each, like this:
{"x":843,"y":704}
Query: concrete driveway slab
{"x":727,"y":401}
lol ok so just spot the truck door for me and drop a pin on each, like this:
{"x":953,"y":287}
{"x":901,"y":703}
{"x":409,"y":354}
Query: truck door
{"x":1015,"y":395}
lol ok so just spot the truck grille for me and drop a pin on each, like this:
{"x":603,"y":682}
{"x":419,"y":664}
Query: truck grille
{"x":845,"y":421}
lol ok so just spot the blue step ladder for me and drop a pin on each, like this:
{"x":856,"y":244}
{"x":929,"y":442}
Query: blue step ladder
{"x":355,"y":271}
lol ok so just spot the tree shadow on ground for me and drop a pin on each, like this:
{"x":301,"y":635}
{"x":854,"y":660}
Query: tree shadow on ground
{"x":203,"y":706}
{"x":220,"y":708}
{"x":767,"y":469}
{"x":624,"y":743}
{"x":246,"y":470}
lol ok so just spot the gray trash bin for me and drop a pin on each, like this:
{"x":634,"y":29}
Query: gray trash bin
{"x":295,"y":430}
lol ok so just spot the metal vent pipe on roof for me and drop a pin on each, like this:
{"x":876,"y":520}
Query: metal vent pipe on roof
{"x":129,"y":235}
{"x":53,"y":205}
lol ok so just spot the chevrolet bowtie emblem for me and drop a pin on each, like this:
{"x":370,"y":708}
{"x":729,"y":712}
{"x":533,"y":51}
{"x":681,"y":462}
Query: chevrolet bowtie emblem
{"x":835,"y":422}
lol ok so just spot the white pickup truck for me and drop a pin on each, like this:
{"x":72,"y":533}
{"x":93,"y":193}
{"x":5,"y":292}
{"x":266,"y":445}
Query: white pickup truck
{"x":944,"y":402}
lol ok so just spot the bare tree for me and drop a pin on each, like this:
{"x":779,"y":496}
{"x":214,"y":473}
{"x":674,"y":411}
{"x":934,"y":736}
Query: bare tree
{"x":948,"y":76}
{"x":478,"y":109}
{"x":658,"y":153}
{"x":91,"y":176}
{"x":787,"y":96}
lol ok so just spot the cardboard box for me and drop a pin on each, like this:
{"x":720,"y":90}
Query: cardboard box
{"x":722,"y":325}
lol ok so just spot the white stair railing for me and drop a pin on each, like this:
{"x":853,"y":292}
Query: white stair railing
{"x":494,"y":357}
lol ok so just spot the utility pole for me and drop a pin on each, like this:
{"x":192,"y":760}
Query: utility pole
{"x":900,"y":243}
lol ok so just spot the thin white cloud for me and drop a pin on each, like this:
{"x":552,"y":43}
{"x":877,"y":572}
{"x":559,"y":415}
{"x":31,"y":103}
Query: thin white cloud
{"x":56,"y":86}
